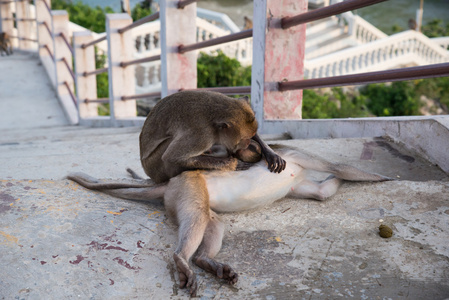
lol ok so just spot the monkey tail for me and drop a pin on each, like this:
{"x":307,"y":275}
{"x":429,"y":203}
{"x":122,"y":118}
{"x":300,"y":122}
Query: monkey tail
{"x":93,"y":183}
{"x":129,"y":191}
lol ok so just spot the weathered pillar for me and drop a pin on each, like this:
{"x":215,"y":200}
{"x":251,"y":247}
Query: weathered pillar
{"x":178,"y":27}
{"x":63,"y":62}
{"x":45,"y":39}
{"x":278,"y":55}
{"x":121,"y":80}
{"x":24,"y":25}
{"x":6,"y":13}
{"x":86,"y":86}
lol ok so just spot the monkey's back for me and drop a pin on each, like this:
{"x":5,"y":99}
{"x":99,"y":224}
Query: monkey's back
{"x":189,"y":115}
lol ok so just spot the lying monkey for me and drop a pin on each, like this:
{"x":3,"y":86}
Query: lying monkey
{"x":192,"y":199}
{"x":5,"y":44}
{"x":184,"y":125}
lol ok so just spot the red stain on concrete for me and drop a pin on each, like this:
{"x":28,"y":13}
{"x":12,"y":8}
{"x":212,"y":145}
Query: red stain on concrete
{"x":79,"y":259}
{"x":125,"y":264}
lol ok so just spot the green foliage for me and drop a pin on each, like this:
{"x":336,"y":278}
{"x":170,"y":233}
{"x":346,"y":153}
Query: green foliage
{"x":220,"y":70}
{"x":435,"y":28}
{"x":316,"y":106}
{"x":434,"y":88}
{"x":395,"y":29}
{"x":82,"y":14}
{"x":337,"y":104}
{"x":141,"y":10}
{"x":397,"y":99}
{"x":102,"y":83}
{"x":351,"y":106}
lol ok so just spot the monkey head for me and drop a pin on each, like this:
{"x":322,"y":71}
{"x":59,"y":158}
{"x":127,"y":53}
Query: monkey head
{"x":235,"y":132}
{"x":251,"y":154}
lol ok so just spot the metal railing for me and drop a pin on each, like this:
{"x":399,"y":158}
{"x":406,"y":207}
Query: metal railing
{"x":434,"y":70}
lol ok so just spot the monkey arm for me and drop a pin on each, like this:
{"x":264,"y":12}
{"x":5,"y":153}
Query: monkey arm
{"x":275,"y":162}
{"x":183,"y":154}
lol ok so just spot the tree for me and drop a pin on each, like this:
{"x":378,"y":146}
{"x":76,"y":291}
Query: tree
{"x":435,"y":28}
{"x":397,"y":99}
{"x":221,"y":70}
{"x":141,"y":10}
{"x":82,"y":14}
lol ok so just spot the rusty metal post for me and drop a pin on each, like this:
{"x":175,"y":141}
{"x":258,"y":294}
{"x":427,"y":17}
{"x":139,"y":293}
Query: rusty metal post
{"x":121,"y":79}
{"x":278,"y":55}
{"x":178,"y":27}
{"x":86,"y":86}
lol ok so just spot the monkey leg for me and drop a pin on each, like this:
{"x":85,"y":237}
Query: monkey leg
{"x":209,"y":247}
{"x":343,"y":171}
{"x":187,"y":202}
{"x":316,"y":190}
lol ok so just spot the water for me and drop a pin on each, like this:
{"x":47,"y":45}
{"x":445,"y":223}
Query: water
{"x":383,"y":15}
{"x":386,"y":14}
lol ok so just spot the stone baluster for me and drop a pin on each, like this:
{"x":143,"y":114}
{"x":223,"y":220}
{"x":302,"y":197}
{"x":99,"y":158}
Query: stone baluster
{"x":146,"y":79}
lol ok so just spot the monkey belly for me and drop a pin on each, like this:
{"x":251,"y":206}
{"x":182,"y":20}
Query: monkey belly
{"x":250,"y":189}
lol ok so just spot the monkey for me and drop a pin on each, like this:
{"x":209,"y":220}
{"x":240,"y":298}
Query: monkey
{"x":5,"y":44}
{"x":193,"y":199}
{"x":248,"y":23}
{"x":184,"y":125}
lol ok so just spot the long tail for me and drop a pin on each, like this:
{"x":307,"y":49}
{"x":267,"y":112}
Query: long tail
{"x":129,"y":191}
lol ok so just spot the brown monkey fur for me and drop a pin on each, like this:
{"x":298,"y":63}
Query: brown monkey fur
{"x":182,"y":126}
{"x":5,"y":44}
{"x":192,"y":199}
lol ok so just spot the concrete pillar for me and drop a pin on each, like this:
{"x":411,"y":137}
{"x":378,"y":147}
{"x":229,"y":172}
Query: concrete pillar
{"x":45,"y":39}
{"x":24,"y":27}
{"x":278,"y":55}
{"x":178,"y":27}
{"x":86,"y":86}
{"x":7,"y":25}
{"x":121,"y":80}
{"x":65,"y":83}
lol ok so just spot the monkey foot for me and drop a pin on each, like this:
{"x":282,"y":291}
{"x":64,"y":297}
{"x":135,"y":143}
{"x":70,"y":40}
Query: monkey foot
{"x":222,"y":271}
{"x":187,"y":278}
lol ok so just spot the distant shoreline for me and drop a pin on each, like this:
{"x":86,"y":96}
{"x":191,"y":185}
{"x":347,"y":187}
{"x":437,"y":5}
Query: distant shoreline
{"x":383,"y":15}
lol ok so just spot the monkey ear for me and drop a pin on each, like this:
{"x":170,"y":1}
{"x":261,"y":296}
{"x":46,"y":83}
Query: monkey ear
{"x":222,"y":125}
{"x":245,"y":98}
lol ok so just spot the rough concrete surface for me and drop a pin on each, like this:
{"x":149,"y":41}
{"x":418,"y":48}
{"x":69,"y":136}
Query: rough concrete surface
{"x":61,"y":241}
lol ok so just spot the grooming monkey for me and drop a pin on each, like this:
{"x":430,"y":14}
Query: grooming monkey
{"x":5,"y":44}
{"x":182,"y":126}
{"x":193,"y":198}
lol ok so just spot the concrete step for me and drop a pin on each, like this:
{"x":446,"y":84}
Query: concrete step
{"x":319,"y":25}
{"x":51,"y":153}
{"x":340,"y":42}
{"x":23,"y":72}
{"x":323,"y":35}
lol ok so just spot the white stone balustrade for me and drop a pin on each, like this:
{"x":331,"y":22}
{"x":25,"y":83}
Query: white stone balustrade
{"x":408,"y":47}
{"x":362,"y":31}
{"x":147,"y":43}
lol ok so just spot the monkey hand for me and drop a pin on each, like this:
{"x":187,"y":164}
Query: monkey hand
{"x":242,"y":166}
{"x":275,"y":163}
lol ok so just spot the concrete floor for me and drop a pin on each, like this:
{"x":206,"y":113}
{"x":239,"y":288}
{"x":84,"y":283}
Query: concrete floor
{"x":59,"y":240}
